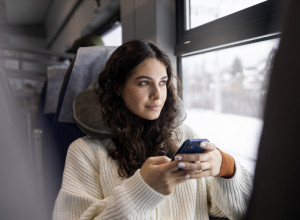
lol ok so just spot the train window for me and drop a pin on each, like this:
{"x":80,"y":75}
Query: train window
{"x":223,"y":93}
{"x":199,"y":12}
{"x":223,"y":54}
{"x":113,"y":37}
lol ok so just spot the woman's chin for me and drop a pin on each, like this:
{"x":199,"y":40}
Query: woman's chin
{"x":151,"y":117}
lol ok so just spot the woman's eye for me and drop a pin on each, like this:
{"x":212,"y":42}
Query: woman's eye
{"x":144,"y":83}
{"x":162,"y":83}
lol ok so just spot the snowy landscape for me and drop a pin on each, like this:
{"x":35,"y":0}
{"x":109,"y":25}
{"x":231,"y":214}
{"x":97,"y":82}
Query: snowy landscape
{"x":237,"y":135}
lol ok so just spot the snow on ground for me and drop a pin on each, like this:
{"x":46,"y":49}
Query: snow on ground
{"x":237,"y":135}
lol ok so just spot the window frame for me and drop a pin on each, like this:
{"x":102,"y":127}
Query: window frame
{"x":256,"y":23}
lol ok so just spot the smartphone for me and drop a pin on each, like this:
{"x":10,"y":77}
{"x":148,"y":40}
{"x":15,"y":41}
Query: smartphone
{"x":190,"y":146}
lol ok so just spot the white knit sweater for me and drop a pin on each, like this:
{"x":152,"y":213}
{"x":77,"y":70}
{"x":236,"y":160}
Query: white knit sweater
{"x":92,"y":189}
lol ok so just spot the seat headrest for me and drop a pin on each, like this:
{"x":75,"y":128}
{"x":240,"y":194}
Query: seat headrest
{"x":88,"y":114}
{"x":88,"y":64}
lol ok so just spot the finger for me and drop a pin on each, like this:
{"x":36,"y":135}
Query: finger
{"x":197,"y":175}
{"x":189,"y":157}
{"x":208,"y":146}
{"x":158,"y":160}
{"x":194,"y":166}
{"x":180,"y":174}
{"x":171,"y":166}
{"x":175,"y":169}
{"x":195,"y":157}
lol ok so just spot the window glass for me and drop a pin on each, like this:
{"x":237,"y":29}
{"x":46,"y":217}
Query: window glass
{"x":113,"y":37}
{"x":224,"y":93}
{"x":199,"y":12}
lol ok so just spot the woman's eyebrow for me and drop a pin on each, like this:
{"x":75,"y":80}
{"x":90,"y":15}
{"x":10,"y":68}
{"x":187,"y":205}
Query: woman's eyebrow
{"x":148,"y":77}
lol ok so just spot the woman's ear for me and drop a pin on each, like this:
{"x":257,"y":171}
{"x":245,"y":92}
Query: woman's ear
{"x":119,"y":90}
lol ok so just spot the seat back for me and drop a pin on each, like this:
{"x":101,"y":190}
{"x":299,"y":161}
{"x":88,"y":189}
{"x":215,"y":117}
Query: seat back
{"x":49,"y":99}
{"x":84,"y":69}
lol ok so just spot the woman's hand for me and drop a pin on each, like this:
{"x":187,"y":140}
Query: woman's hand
{"x":161,"y":174}
{"x":201,"y":165}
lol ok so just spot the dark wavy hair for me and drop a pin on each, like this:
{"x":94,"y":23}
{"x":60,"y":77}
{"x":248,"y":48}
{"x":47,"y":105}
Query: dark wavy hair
{"x":135,"y":138}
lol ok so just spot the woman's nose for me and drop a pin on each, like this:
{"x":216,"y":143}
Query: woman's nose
{"x":155,"y":92}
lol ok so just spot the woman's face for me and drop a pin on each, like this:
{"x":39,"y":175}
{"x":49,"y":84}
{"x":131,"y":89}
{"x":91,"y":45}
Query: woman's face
{"x":145,"y":91}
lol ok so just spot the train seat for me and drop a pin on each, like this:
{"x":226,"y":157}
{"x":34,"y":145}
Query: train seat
{"x":49,"y":98}
{"x":84,"y":69}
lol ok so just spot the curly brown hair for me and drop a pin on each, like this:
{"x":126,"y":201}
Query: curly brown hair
{"x":136,"y":139}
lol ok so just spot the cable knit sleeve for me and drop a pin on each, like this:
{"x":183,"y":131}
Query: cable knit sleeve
{"x":82,"y":197}
{"x":230,"y":197}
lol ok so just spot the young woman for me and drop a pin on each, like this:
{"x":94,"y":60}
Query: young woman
{"x":123,"y":169}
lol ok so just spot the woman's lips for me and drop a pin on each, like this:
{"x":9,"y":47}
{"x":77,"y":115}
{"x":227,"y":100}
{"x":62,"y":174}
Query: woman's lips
{"x":153,"y":107}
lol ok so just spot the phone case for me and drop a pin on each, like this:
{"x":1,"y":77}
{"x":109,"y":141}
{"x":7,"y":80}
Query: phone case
{"x":190,"y":146}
